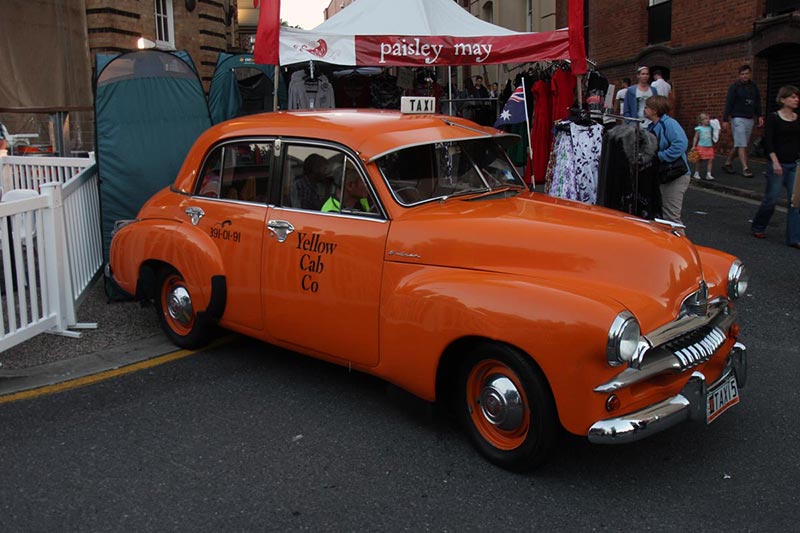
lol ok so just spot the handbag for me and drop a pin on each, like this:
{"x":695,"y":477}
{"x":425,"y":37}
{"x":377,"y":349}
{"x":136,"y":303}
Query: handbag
{"x":694,"y":156}
{"x":671,"y":170}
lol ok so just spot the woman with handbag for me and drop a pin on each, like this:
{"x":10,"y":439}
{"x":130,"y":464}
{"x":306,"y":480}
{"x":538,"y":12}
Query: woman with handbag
{"x":673,"y":169}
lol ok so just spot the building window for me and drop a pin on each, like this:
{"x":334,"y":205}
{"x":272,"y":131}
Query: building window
{"x":659,"y":23}
{"x":488,"y":12}
{"x":165,"y":33}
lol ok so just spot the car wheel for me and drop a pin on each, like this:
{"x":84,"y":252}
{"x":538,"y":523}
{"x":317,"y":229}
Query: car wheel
{"x":177,"y":313}
{"x":506,"y":406}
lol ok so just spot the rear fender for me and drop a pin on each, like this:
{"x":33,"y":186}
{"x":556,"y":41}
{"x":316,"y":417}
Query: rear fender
{"x":138,"y":248}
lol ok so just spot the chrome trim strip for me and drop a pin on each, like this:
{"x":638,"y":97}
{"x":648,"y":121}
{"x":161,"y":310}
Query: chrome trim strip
{"x":405,"y":254}
{"x":629,"y":376}
{"x":336,"y":215}
{"x":688,"y":405}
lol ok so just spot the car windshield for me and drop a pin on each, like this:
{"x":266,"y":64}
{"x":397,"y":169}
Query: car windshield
{"x":430,"y":171}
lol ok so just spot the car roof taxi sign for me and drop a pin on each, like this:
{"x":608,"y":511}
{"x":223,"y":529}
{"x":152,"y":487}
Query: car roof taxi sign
{"x":412,"y":105}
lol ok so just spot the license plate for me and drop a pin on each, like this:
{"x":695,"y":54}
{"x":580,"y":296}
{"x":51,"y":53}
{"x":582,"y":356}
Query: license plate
{"x":721,"y":398}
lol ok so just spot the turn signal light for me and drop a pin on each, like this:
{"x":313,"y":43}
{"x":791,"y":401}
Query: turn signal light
{"x":613,"y":403}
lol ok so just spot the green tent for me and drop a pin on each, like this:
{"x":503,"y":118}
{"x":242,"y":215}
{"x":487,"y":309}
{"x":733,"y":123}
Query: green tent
{"x":242,"y":87}
{"x":149,"y":110}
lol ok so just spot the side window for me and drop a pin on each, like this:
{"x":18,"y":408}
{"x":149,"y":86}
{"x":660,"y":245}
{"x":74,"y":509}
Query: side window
{"x":351,"y":194}
{"x":237,"y":171}
{"x":308,"y":176}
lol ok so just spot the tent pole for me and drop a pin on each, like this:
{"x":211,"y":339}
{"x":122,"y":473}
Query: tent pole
{"x":528,"y":126}
{"x":275,"y":87}
{"x":450,"y":86}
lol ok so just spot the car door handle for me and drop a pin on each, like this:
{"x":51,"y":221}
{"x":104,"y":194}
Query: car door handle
{"x":280,"y":228}
{"x":195,"y":214}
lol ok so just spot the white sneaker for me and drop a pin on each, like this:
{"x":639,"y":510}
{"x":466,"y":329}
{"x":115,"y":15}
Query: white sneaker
{"x":696,"y":175}
{"x":709,"y":177}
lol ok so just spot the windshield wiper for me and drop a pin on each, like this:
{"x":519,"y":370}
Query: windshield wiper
{"x":505,"y":192}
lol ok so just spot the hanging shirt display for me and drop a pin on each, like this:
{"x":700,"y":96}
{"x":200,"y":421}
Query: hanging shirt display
{"x":306,"y":92}
{"x":352,"y":90}
{"x":628,"y":180}
{"x":576,"y":159}
{"x":384,"y":92}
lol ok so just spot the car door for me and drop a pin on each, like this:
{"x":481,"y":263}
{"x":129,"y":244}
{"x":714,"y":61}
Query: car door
{"x":229,"y":206}
{"x":322,"y":290}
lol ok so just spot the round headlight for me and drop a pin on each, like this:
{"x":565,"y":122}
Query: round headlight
{"x":623,"y":339}
{"x":738,"y":279}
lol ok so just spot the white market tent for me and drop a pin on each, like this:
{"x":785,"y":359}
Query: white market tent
{"x":416,"y":33}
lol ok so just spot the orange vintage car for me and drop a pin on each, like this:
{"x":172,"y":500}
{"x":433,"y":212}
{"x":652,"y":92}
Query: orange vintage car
{"x":407,"y":247}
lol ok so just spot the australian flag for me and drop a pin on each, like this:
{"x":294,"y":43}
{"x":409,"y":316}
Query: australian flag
{"x":514,"y":111}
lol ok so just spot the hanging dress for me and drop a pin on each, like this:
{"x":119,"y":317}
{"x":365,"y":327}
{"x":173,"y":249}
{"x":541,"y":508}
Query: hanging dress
{"x":563,"y":89}
{"x":542,"y":131}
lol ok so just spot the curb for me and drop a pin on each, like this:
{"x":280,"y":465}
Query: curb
{"x":735,"y":191}
{"x":14,"y":381}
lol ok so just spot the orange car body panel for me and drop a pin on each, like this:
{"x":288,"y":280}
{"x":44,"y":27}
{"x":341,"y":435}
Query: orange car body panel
{"x":389,"y":296}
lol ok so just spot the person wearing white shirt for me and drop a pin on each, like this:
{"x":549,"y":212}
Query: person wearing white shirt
{"x":662,"y":86}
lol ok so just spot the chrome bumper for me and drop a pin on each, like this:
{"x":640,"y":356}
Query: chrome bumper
{"x":690,"y":404}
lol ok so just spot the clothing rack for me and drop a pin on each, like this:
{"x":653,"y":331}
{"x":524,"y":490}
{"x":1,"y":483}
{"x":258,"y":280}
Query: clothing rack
{"x":632,"y":119}
{"x":635,"y":157}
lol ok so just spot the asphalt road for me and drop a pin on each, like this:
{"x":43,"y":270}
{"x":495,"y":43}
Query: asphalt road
{"x":246,"y":436}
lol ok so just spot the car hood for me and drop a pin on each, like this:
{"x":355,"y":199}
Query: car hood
{"x":589,"y":250}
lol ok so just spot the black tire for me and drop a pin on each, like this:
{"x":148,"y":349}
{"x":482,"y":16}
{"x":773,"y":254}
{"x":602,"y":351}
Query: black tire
{"x":515,"y":434}
{"x":178,"y":316}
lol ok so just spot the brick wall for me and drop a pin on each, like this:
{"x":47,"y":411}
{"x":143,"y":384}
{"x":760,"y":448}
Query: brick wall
{"x":115,"y":26}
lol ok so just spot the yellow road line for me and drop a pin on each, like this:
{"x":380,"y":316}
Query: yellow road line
{"x":107,"y":374}
{"x":94,"y":378}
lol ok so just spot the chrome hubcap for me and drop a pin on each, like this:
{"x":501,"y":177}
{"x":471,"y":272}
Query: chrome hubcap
{"x":501,"y":403}
{"x":179,"y":306}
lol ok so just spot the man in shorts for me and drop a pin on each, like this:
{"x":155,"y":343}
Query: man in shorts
{"x":742,"y":108}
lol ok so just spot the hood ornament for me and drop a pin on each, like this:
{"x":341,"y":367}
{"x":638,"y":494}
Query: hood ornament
{"x":696,"y":304}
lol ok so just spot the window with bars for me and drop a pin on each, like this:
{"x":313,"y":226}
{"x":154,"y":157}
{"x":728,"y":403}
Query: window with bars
{"x":659,"y":21}
{"x":165,"y":34}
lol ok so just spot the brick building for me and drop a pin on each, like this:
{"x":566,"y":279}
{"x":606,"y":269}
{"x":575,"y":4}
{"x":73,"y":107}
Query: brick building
{"x":700,"y":45}
{"x":204,"y":28}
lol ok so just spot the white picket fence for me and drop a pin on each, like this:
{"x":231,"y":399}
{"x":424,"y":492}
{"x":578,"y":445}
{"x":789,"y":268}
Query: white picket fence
{"x":50,"y":243}
{"x":29,"y":172}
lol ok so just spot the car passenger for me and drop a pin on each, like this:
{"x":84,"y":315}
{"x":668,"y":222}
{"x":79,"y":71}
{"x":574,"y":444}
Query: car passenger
{"x":310,"y":189}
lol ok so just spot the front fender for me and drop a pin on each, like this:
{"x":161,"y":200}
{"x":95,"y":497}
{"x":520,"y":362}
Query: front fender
{"x":183,"y":246}
{"x":716,"y":265}
{"x":425,"y":309}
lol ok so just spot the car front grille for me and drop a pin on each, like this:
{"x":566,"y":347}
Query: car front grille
{"x":697,"y":346}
